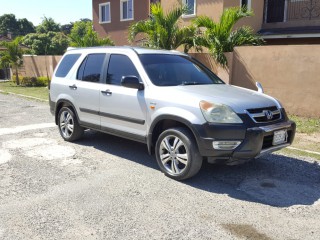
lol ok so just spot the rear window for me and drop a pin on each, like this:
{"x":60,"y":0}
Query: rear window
{"x":66,"y":64}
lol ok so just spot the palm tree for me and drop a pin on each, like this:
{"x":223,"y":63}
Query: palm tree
{"x":12,"y":56}
{"x":82,"y":35}
{"x":219,"y":37}
{"x":162,"y":30}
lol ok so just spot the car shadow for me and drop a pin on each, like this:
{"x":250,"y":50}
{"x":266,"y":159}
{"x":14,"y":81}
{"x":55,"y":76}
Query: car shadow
{"x":130,"y":150}
{"x":274,"y":179}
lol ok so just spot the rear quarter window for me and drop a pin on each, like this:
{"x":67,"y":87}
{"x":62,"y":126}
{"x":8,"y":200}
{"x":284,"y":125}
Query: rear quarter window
{"x":66,"y":64}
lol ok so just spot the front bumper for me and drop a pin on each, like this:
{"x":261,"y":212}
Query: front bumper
{"x":255,"y":141}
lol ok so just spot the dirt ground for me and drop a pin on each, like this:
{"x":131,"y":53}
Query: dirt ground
{"x":104,"y":187}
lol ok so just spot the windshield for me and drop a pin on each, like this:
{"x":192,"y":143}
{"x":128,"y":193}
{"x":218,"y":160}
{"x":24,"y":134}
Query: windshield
{"x":175,"y":70}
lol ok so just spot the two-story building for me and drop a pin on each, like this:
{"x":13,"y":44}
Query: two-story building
{"x":279,"y":21}
{"x":113,"y":17}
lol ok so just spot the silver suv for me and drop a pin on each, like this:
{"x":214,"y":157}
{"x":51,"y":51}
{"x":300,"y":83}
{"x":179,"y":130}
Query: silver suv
{"x":171,"y":102}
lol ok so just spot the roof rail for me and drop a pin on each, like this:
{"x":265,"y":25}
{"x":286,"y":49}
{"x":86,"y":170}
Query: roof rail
{"x":71,"y":48}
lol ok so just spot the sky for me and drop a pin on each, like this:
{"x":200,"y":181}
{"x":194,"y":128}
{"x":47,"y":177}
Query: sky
{"x":62,"y":11}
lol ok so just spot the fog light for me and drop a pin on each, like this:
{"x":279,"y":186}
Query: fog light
{"x":225,"y":145}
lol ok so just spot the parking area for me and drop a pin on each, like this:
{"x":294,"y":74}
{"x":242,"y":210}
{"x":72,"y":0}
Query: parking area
{"x":105,"y":187}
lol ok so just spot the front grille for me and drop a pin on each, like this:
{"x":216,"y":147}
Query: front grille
{"x":264,"y":115}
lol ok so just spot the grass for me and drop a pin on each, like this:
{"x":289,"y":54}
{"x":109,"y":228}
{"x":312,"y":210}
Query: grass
{"x":288,"y":151}
{"x":307,"y":137}
{"x":306,"y":125}
{"x":37,"y":92}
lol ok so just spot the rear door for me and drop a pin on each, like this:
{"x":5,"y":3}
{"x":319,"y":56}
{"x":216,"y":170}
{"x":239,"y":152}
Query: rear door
{"x":122,"y":110}
{"x":86,"y":89}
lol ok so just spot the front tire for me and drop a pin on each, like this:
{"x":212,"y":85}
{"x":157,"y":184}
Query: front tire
{"x":69,"y":128}
{"x":177,"y":154}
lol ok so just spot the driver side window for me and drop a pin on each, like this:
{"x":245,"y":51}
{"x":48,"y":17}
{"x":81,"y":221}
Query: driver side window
{"x":120,"y":66}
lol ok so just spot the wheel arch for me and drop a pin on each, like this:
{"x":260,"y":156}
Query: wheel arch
{"x":163,"y":123}
{"x":64,"y":103}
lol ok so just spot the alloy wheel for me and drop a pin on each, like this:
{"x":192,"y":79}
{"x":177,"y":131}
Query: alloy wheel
{"x":66,"y":124}
{"x":173,"y":155}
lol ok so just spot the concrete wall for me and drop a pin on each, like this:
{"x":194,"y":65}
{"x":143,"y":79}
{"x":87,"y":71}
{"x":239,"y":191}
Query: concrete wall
{"x":289,"y":73}
{"x":39,"y":66}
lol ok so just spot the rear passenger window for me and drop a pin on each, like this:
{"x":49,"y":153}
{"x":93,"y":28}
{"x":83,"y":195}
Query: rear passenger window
{"x":66,"y":64}
{"x":119,"y":66}
{"x":90,"y":69}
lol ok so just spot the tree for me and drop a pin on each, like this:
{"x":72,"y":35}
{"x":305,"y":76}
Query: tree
{"x":50,"y":43}
{"x":25,"y":27}
{"x":20,"y":27}
{"x":12,"y":56}
{"x":66,"y":28}
{"x":162,"y":30}
{"x":219,"y":37}
{"x":48,"y":25}
{"x":83,"y":35}
{"x":8,"y":23}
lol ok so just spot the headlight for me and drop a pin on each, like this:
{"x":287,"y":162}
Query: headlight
{"x":218,"y":113}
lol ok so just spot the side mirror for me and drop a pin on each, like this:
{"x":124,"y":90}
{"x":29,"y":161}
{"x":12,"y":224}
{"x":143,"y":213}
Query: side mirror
{"x":132,"y":82}
{"x":260,"y":88}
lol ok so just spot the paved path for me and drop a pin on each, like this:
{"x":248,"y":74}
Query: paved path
{"x":104,"y":187}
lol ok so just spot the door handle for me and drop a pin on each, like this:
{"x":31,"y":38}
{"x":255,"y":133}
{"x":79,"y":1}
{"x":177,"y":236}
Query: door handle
{"x":73,"y":87}
{"x":107,"y":92}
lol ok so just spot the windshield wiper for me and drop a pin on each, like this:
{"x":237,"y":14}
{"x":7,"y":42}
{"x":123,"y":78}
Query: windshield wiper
{"x":191,"y":83}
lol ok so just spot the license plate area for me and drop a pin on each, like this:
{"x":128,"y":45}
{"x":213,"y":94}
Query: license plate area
{"x":280,"y":137}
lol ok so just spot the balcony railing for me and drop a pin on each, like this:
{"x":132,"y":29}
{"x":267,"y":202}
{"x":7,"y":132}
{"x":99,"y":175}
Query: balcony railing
{"x":291,"y":10}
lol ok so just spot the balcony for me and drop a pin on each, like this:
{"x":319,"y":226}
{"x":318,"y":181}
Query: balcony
{"x":291,"y":13}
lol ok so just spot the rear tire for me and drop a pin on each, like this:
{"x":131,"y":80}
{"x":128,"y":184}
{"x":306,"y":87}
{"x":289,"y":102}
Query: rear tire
{"x":69,"y":128}
{"x":177,"y":154}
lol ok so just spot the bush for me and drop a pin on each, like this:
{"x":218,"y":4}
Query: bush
{"x":34,"y":81}
{"x":42,"y":81}
{"x":13,"y":78}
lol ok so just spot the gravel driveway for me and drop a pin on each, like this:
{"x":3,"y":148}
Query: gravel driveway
{"x":104,"y":187}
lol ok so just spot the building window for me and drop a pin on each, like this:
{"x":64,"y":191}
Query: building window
{"x":191,"y":5}
{"x":126,"y":10}
{"x":245,"y":3}
{"x":104,"y":13}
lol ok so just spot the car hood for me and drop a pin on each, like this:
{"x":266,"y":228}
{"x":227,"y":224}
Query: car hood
{"x":239,"y":99}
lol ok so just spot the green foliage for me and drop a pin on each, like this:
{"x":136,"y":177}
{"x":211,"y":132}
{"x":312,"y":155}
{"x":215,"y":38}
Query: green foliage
{"x":12,"y":56}
{"x":8,"y":22}
{"x":50,"y":43}
{"x":25,"y":27}
{"x":20,"y":27}
{"x":83,"y":35}
{"x":34,"y":81}
{"x":162,"y":31}
{"x":66,"y":28}
{"x":306,"y":125}
{"x":220,"y":37}
{"x":48,"y":25}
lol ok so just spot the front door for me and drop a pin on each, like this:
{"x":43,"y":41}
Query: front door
{"x":122,"y":110}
